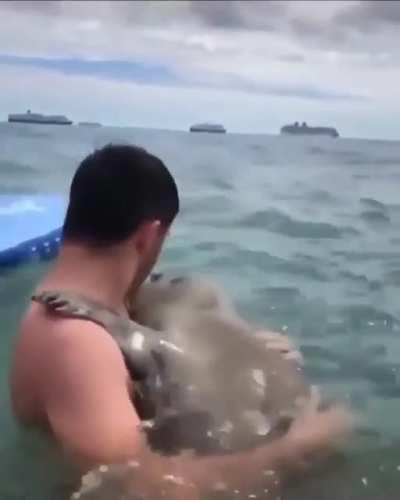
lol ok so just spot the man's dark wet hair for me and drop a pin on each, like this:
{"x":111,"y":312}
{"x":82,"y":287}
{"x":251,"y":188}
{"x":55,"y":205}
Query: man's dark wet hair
{"x":113,"y":191}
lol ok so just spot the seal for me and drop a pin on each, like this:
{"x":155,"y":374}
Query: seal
{"x":204,"y":381}
{"x":230,"y":367}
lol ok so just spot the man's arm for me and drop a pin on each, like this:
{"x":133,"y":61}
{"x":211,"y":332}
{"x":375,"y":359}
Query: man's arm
{"x":91,"y":414}
{"x":185,"y":478}
{"x":86,"y":396}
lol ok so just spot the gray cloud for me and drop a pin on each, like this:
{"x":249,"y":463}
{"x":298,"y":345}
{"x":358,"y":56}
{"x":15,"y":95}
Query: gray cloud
{"x":364,"y":28}
{"x":328,"y":34}
{"x":222,"y":14}
{"x":226,"y":14}
{"x":370,"y":15}
{"x":301,"y":92}
{"x":119,"y":12}
{"x":263,"y":43}
{"x":234,"y":14}
{"x":284,"y":89}
{"x":291,"y":58}
{"x":36,"y":7}
{"x":345,"y":27}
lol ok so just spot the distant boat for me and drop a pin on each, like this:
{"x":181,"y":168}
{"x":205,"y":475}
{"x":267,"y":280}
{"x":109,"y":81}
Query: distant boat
{"x":304,"y":129}
{"x":89,"y":124}
{"x":213,"y":128}
{"x":29,"y":117}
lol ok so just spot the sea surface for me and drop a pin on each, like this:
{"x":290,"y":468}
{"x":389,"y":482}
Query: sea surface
{"x":305,"y":234}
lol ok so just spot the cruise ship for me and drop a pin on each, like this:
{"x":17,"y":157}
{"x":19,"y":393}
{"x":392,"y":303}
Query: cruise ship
{"x":30,"y":117}
{"x":304,"y":129}
{"x":208,"y":127}
{"x":89,"y":124}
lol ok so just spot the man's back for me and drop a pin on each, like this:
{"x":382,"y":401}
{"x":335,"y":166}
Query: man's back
{"x":69,"y":376}
{"x":30,"y":365}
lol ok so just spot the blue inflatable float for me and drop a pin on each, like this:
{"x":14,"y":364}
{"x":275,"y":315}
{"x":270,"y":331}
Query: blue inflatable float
{"x":29,"y":228}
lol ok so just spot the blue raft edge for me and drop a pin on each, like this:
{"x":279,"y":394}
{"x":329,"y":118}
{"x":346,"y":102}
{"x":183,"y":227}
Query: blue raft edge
{"x":41,"y":248}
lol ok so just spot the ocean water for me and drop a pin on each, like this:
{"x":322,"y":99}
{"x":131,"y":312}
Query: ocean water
{"x":304,"y":232}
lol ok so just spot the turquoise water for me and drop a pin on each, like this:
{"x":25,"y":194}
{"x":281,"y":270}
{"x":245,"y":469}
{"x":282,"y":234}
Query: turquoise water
{"x":304,"y":232}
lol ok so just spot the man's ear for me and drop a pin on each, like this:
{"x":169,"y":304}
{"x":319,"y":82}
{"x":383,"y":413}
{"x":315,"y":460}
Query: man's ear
{"x":148,"y":235}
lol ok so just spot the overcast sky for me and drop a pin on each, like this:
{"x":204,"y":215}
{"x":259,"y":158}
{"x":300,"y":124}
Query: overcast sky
{"x":250,"y":65}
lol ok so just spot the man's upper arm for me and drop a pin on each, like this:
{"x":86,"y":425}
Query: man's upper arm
{"x":87,"y":398}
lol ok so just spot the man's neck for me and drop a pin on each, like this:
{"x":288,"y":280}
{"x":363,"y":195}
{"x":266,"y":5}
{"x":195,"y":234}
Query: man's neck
{"x":103,"y":276}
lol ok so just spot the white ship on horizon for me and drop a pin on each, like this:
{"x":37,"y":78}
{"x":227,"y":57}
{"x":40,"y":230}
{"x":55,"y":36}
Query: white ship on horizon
{"x":208,"y":127}
{"x":30,"y":117}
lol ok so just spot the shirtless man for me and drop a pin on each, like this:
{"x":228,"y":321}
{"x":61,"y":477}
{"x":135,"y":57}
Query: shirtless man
{"x":69,"y":375}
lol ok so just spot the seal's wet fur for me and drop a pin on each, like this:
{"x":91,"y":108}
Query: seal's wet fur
{"x":252,"y":390}
{"x":228,"y":370}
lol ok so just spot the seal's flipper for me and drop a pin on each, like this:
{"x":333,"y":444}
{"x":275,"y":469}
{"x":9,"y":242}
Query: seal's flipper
{"x":60,"y":303}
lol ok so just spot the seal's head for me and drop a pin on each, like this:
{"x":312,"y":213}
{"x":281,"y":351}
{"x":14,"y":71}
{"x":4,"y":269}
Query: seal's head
{"x":162,"y":294}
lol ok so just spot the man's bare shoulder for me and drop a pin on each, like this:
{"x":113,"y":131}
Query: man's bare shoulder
{"x":79,"y":383}
{"x":64,"y":330}
{"x":69,"y":339}
{"x":54,"y":356}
